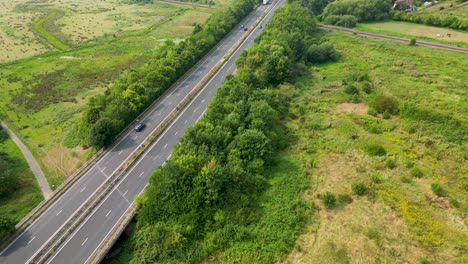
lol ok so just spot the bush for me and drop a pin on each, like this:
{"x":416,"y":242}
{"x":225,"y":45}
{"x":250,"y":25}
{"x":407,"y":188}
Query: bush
{"x":412,"y":42}
{"x":438,"y":190}
{"x":7,"y":226}
{"x":385,"y":103}
{"x":371,"y":111}
{"x":386,"y":115}
{"x":405,"y":179}
{"x":321,"y":53}
{"x":376,"y":178}
{"x":345,"y":199}
{"x":359,"y":188}
{"x":416,"y":172}
{"x":328,"y":199}
{"x":351,"y":89}
{"x":390,"y":163}
{"x":348,"y":21}
{"x":375,"y":150}
{"x":454,"y":203}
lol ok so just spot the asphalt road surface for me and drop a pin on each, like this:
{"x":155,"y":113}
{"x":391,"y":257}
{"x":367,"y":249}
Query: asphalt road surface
{"x":80,"y":245}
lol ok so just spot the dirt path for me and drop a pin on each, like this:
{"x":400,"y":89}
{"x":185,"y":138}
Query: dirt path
{"x":35,"y":168}
{"x":418,"y":42}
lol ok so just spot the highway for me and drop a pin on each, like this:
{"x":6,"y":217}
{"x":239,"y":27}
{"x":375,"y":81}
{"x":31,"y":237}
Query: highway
{"x":79,"y":246}
{"x":82,"y":243}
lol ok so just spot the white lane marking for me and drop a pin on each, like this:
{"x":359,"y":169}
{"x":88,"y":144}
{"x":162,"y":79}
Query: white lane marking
{"x":83,"y":189}
{"x":196,"y":108}
{"x":125,"y":193}
{"x":103,"y":169}
{"x":165,"y":146}
{"x":177,"y":132}
{"x":135,"y":137}
{"x":141,"y":174}
{"x":169,"y":103}
{"x":120,"y":152}
{"x":164,"y":164}
{"x":203,"y":100}
{"x":31,"y":240}
{"x":168,"y":157}
{"x":185,"y":121}
{"x":58,"y":213}
{"x":84,"y":241}
{"x":108,"y":213}
{"x":155,"y":157}
{"x":149,"y":123}
{"x":159,"y":113}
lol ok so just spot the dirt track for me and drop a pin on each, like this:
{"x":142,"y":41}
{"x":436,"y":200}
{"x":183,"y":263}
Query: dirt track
{"x":418,"y":42}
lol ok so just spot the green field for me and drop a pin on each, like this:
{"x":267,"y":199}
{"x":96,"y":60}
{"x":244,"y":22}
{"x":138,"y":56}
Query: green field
{"x":418,"y":31}
{"x":403,"y":217}
{"x":27,"y":194}
{"x":43,"y":96}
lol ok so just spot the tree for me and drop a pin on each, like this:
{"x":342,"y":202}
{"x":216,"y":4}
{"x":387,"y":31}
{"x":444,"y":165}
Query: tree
{"x":103,"y":132}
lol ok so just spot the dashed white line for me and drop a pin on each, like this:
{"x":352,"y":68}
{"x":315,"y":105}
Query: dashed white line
{"x":177,"y":132}
{"x":83,"y":189}
{"x":103,"y":168}
{"x":159,"y":113}
{"x":125,"y":193}
{"x":108,"y":213}
{"x":84,"y":241}
{"x":141,"y":174}
{"x":185,"y":121}
{"x":165,"y":146}
{"x":135,"y":137}
{"x":155,"y":157}
{"x":203,"y":100}
{"x":31,"y":240}
{"x":58,"y":213}
{"x":120,"y":152}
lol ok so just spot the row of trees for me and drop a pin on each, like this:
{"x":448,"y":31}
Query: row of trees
{"x":108,"y":114}
{"x":347,"y":12}
{"x":448,"y":21}
{"x":8,"y":183}
{"x":201,"y":200}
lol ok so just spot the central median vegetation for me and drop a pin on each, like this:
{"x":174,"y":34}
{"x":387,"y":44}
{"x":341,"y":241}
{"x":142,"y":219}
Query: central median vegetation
{"x":107,"y":115}
{"x":227,"y":194}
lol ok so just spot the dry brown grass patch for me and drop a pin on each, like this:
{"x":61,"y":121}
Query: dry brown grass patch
{"x":348,"y":108}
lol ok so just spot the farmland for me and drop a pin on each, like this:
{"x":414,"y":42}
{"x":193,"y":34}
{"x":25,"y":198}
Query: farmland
{"x":43,"y":96}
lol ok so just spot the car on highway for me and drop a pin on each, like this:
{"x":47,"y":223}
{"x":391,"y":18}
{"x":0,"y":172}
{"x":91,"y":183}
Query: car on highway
{"x":140,"y":127}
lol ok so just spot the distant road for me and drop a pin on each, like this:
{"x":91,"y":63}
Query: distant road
{"x":418,"y":42}
{"x":33,"y":165}
{"x":84,"y":241}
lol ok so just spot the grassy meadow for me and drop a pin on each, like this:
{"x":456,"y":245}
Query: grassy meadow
{"x":411,"y":165}
{"x":447,"y":8}
{"x":418,"y":31}
{"x":43,"y":96}
{"x":27,"y":194}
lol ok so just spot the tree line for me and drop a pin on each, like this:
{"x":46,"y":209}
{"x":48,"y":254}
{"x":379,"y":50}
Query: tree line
{"x":207,"y":192}
{"x":107,"y":115}
{"x":8,"y":184}
{"x":449,"y":21}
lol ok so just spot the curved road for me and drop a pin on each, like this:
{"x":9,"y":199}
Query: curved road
{"x":418,"y":42}
{"x":32,"y":162}
{"x":82,"y":243}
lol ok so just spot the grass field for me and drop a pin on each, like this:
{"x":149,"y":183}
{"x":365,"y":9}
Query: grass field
{"x":410,"y":30}
{"x":44,"y":95}
{"x":403,"y":217}
{"x":447,"y":8}
{"x":27,"y":194}
{"x":29,"y":28}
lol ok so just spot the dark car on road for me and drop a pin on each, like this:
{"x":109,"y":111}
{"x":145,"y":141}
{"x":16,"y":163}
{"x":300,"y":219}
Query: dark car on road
{"x":140,"y":127}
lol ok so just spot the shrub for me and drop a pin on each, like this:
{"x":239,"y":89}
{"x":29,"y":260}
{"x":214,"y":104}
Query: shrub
{"x":359,"y":188}
{"x":321,"y":53}
{"x":412,"y":42}
{"x":416,"y":172}
{"x":405,"y":179}
{"x":345,"y":199}
{"x":454,"y":203}
{"x":348,"y":21}
{"x":424,"y":260}
{"x":376,"y":178}
{"x":438,"y":190}
{"x":328,"y":199}
{"x":386,"y":115}
{"x":390,"y":163}
{"x":385,"y":103}
{"x":7,"y":226}
{"x":351,"y":89}
{"x":375,"y":150}
{"x":371,"y":111}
